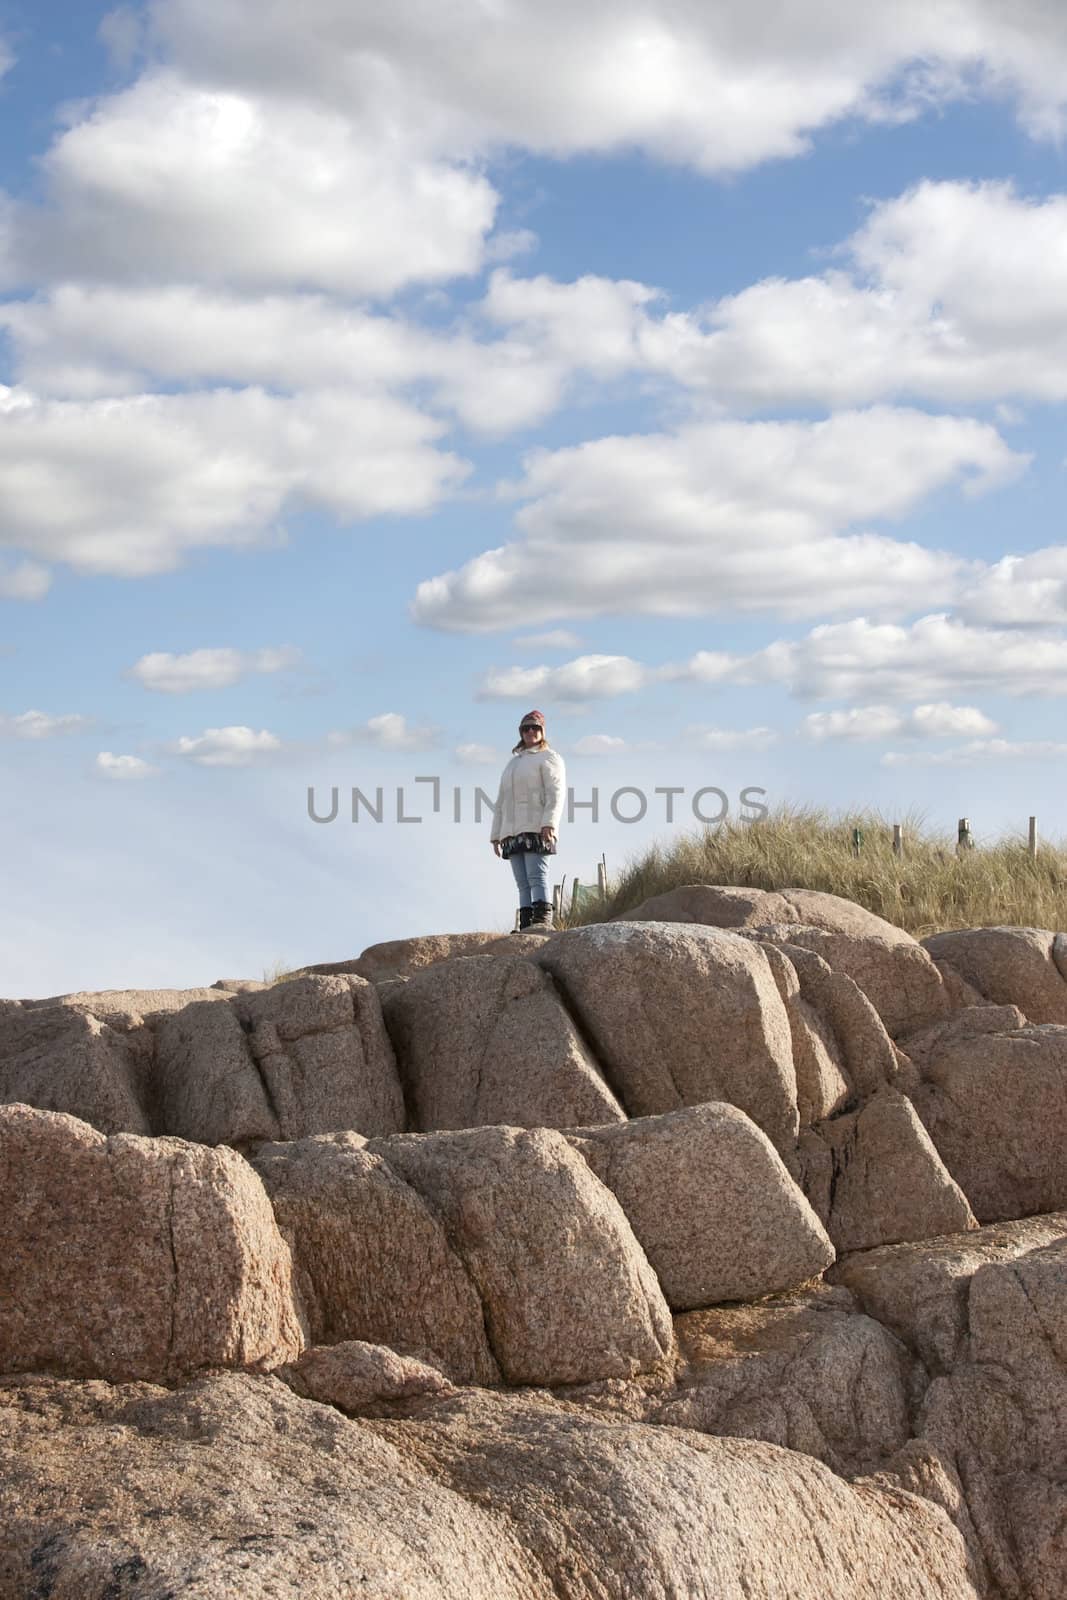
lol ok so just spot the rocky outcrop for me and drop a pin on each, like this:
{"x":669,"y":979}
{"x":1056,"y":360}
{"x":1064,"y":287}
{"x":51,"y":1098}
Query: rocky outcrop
{"x":995,"y":1105}
{"x":480,"y":1496}
{"x":711,"y":1203}
{"x":372,"y":1259}
{"x":399,"y":958}
{"x":567,"y":1292}
{"x":488,"y":1041}
{"x":126,"y":1257}
{"x":807,"y":1370}
{"x":60,"y":1059}
{"x":679,"y":1016}
{"x":875,"y":1177}
{"x":301,"y":1057}
{"x":920,"y":1291}
{"x":1024,"y":967}
{"x":365,"y":1379}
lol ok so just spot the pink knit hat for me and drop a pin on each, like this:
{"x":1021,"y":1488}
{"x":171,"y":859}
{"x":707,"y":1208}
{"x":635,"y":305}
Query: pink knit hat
{"x":533,"y":716}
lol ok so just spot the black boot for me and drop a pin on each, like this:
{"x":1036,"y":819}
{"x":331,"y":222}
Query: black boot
{"x":525,"y":917}
{"x":542,"y":915}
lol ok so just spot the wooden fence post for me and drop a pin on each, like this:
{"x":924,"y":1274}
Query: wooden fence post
{"x":575,"y":891}
{"x":602,"y":877}
{"x":857,"y":841}
{"x":964,"y":841}
{"x":898,"y":839}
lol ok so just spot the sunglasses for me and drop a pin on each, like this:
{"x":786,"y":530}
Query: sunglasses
{"x":530,"y":727}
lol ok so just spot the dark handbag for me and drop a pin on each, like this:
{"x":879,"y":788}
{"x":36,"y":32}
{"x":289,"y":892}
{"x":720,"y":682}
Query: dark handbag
{"x":515,"y":842}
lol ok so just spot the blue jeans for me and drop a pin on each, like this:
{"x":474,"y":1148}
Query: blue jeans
{"x":531,"y":875}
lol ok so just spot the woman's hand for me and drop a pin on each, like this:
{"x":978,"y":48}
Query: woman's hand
{"x":548,"y":834}
{"x":496,"y":846}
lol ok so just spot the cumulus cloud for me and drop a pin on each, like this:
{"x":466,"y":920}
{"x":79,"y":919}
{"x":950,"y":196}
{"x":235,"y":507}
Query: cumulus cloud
{"x":978,"y":750}
{"x":478,"y":755}
{"x":592,"y":677}
{"x":551,"y":639}
{"x":389,"y":731}
{"x":174,"y":179}
{"x":42,"y":724}
{"x":123,"y":769}
{"x":874,"y":663}
{"x":726,"y":517}
{"x":702,"y":738}
{"x":129,"y":486}
{"x":718,"y":87}
{"x":234,"y":746}
{"x":600,"y":744}
{"x":937,"y":655}
{"x":935,"y":721}
{"x":208,"y":669}
{"x":1026,"y":591}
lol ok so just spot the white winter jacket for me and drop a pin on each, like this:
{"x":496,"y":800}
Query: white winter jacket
{"x":532,"y":790}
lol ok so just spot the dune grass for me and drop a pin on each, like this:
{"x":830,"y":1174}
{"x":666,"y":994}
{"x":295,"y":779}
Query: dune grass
{"x":928,"y":889}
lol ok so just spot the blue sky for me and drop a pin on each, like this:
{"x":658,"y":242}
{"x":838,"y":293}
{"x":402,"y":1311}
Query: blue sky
{"x":695,"y":374}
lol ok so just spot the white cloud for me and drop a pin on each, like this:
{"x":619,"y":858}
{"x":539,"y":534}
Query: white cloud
{"x":81,"y":341}
{"x":24,"y":580}
{"x":208,"y":669}
{"x":129,"y":486}
{"x":1020,"y":590}
{"x":227,"y":747}
{"x":175,"y":179}
{"x":874,"y":663}
{"x":936,"y":721}
{"x":701,"y":738}
{"x":478,"y":755}
{"x":978,"y":750}
{"x":389,"y":731}
{"x":726,"y":517}
{"x":600,"y":744}
{"x":123,"y":769}
{"x":7,"y":57}
{"x":592,"y":677}
{"x":718,"y":87}
{"x":42,"y":725}
{"x":937,"y":655}
{"x":551,"y":639}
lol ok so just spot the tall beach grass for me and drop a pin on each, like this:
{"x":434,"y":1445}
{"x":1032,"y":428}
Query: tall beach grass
{"x":927,"y":889}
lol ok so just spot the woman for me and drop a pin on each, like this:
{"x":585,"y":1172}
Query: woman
{"x":526,"y":815}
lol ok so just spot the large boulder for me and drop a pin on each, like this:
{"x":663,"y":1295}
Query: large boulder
{"x":237,"y":1489}
{"x":232,"y":1488}
{"x":372,"y":1260}
{"x":806,"y":1370}
{"x":896,"y":974}
{"x":618,"y":1510}
{"x":679,"y":1016}
{"x":711,"y":1203}
{"x":732,"y":906}
{"x":305,"y":1056}
{"x":365,"y":1379}
{"x":567,"y":1291}
{"x":875,"y":1177}
{"x":127,"y":1257}
{"x":399,"y":958}
{"x":841,"y":1049}
{"x":995,"y":1105}
{"x":60,"y":1059}
{"x":921,"y":1290}
{"x":146,"y":1003}
{"x":483,"y":1041}
{"x":1024,"y":967}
